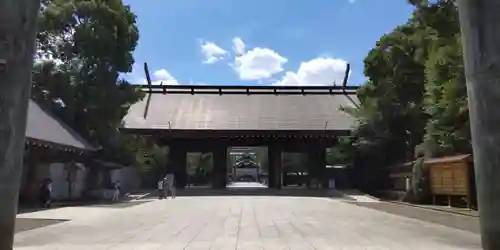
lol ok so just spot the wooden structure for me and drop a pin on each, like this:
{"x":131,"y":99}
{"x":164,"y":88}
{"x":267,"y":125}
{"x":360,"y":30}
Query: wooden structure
{"x":212,"y":118}
{"x":452,"y":176}
{"x":245,"y":167}
{"x":48,"y":140}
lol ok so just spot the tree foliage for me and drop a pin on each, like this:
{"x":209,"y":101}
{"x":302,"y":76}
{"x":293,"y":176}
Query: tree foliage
{"x":342,"y":153}
{"x":420,"y":180}
{"x":446,"y":94}
{"x":84,"y":46}
{"x":415,"y":94}
{"x":199,"y":162}
{"x":155,"y":158}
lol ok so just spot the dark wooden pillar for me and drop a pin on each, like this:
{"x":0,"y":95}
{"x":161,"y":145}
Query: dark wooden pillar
{"x":316,"y":155}
{"x":274,"y":166}
{"x":177,"y":164}
{"x":480,"y":21}
{"x":219,"y":172}
{"x":28,"y":192}
{"x":181,"y":170}
{"x":323,"y":176}
{"x":270,"y":168}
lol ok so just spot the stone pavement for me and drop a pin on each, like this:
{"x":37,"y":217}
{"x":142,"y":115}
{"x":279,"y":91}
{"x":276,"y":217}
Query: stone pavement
{"x":240,"y":222}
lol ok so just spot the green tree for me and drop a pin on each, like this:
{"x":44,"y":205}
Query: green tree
{"x":390,"y":114}
{"x":414,"y":91}
{"x":192,"y":162}
{"x":155,"y":158}
{"x":206,"y":162}
{"x":199,"y":162}
{"x":446,"y":95}
{"x":93,"y":42}
{"x":89,"y":44}
{"x":150,"y":159}
{"x":415,"y":94}
{"x":395,"y":69}
{"x":342,"y":153}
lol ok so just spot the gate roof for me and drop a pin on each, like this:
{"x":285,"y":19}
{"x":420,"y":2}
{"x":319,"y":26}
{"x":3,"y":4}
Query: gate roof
{"x":239,"y":108}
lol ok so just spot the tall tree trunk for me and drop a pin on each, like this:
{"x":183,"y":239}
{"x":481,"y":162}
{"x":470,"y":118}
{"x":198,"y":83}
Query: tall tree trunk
{"x":480,"y":23}
{"x":18,"y":19}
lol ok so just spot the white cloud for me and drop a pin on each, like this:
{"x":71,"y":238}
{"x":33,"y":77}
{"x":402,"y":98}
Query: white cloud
{"x":191,"y":82}
{"x":212,"y":52}
{"x":257,"y":63}
{"x":239,"y":46}
{"x":158,"y":82}
{"x":162,"y":77}
{"x":321,"y":71}
{"x":163,"y":74}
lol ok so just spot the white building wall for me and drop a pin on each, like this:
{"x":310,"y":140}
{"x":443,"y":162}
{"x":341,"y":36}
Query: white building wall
{"x":79,"y":183}
{"x":129,"y":178}
{"x":60,"y":190}
{"x":59,"y":187}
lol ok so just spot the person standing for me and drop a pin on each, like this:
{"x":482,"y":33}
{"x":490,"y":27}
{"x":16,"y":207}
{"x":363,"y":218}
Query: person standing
{"x":116,"y":193}
{"x":170,"y":184}
{"x":46,"y":193}
{"x":161,"y":191}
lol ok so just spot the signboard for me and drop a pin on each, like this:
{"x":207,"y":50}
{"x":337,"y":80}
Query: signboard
{"x":449,"y":178}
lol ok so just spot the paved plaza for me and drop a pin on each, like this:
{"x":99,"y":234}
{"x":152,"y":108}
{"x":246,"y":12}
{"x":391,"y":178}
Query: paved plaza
{"x":240,"y":222}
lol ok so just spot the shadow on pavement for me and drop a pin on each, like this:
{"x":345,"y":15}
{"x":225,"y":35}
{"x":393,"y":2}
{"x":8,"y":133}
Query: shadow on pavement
{"x":25,"y":224}
{"x":82,"y":203}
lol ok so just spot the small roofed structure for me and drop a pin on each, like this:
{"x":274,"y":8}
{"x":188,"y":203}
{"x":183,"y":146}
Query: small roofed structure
{"x":50,"y":141}
{"x":207,"y":118}
{"x":245,"y":168}
{"x":452,"y":177}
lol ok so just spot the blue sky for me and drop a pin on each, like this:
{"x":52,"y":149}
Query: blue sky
{"x":281,"y":42}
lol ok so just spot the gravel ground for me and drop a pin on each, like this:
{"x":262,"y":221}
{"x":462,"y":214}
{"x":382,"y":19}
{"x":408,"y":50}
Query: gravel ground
{"x":462,"y":222}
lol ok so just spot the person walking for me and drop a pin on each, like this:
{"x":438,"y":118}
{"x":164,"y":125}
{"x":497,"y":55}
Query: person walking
{"x":161,"y":191}
{"x":170,"y":184}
